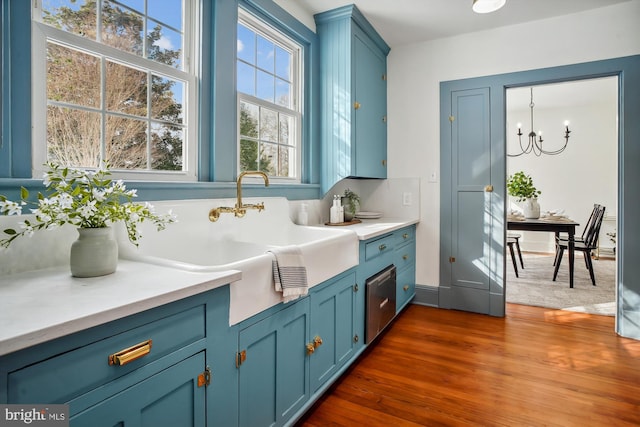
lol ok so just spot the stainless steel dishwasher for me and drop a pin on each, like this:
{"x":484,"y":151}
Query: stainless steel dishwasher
{"x":381,"y":301}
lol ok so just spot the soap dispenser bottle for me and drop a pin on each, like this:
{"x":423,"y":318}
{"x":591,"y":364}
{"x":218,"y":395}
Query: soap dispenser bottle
{"x":303,"y":215}
{"x":334,"y":212}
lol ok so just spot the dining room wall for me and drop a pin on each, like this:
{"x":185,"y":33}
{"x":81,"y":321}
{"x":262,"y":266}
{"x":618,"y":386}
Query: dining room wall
{"x":586,"y":172}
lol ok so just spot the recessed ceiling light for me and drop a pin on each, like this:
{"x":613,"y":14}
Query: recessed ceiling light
{"x":487,"y":6}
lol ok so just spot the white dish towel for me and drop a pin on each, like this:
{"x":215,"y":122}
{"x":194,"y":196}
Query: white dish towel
{"x":289,"y":272}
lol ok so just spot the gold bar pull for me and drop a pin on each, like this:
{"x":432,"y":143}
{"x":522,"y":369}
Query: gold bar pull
{"x":130,"y":354}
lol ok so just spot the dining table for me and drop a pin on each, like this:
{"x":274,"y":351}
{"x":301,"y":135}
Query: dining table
{"x":555,"y":225}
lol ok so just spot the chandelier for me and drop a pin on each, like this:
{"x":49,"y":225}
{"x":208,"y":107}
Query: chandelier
{"x":535,"y":140}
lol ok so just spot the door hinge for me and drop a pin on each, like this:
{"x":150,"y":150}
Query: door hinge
{"x":204,"y":379}
{"x":452,"y":259}
{"x":451,"y":119}
{"x":240,"y":358}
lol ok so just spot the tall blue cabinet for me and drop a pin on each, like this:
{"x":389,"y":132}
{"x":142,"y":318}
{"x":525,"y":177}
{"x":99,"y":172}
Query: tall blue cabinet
{"x":353,"y":81}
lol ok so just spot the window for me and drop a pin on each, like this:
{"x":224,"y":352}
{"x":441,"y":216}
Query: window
{"x":269,"y":88}
{"x":114,"y":80}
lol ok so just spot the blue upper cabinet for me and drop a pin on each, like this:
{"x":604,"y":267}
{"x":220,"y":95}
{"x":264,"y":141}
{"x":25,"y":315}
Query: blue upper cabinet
{"x":353,"y":90}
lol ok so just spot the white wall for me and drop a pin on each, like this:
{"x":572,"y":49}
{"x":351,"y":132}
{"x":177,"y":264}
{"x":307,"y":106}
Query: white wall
{"x":416,"y":70}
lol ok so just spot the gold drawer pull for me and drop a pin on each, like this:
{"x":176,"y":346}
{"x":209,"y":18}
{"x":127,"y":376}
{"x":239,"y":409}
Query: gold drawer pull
{"x":130,"y":354}
{"x":405,"y":236}
{"x":405,"y":257}
{"x":406,"y":288}
{"x":382,"y":247}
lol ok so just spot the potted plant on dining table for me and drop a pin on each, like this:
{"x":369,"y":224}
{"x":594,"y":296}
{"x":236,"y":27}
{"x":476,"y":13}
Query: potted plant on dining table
{"x":520,"y":186}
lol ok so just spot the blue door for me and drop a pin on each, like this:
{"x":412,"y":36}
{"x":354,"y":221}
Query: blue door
{"x":469,"y":204}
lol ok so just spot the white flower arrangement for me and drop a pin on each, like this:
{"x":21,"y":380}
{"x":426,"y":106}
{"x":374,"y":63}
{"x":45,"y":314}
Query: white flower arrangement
{"x":83,"y":198}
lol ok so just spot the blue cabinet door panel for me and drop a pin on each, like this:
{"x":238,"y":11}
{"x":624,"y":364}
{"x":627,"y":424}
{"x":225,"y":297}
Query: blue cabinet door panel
{"x":170,"y":398}
{"x":333,"y":311}
{"x":273,"y":381}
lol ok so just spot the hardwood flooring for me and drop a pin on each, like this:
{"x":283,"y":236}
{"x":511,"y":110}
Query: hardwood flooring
{"x":534,"y":367}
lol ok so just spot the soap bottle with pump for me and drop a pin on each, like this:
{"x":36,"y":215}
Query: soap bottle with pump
{"x":334,"y":212}
{"x":303,"y":215}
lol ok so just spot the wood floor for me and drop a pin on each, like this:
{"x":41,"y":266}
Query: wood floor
{"x":535,"y":367}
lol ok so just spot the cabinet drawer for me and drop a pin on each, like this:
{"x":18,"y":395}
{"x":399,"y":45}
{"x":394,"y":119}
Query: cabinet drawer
{"x":405,"y":287}
{"x":405,"y":256}
{"x":404,"y":236}
{"x":63,"y":377}
{"x":378,"y":247}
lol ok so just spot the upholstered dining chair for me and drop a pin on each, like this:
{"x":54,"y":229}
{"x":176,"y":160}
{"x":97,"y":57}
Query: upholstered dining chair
{"x":585,"y":245}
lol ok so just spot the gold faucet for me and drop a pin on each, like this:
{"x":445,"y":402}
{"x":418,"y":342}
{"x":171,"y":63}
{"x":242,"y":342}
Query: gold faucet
{"x":240,"y":209}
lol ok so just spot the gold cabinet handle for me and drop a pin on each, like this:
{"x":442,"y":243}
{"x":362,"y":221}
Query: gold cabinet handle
{"x":405,"y":257}
{"x":405,"y":236}
{"x":130,"y":354}
{"x":382,"y":247}
{"x":317,"y":341}
{"x":405,"y":288}
{"x":356,"y":105}
{"x":310,"y":348}
{"x":488,"y":188}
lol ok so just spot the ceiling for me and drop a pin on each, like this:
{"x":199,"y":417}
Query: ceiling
{"x":408,"y":21}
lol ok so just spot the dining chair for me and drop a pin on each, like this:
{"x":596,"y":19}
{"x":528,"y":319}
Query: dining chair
{"x":511,"y":241}
{"x":565,"y":239}
{"x":585,"y":245}
{"x":517,"y":237}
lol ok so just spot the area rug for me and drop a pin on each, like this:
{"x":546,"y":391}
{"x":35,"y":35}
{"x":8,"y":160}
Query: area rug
{"x":536,"y":287}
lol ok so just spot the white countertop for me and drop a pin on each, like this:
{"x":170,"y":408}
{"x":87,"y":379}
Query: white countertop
{"x":370,"y":228}
{"x":42,"y":305}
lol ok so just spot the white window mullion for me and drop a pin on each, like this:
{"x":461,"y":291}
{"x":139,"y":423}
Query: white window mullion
{"x":103,"y":107}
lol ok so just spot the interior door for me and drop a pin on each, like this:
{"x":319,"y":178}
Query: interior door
{"x":468,"y":255}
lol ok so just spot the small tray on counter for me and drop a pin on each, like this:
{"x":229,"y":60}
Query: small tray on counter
{"x":338,"y":224}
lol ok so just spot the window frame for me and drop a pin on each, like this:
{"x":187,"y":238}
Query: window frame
{"x":270,"y":32}
{"x":42,"y":33}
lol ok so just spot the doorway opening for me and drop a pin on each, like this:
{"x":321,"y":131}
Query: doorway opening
{"x":571,"y":182}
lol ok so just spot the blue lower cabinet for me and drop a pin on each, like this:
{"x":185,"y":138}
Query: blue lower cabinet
{"x":171,"y":397}
{"x":405,"y":288}
{"x":335,"y":333}
{"x":272,"y":364}
{"x":149,"y":368}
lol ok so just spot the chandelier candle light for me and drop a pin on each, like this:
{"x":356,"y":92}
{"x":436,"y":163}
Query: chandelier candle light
{"x":535,"y":140}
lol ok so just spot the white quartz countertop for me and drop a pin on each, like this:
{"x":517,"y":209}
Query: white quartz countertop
{"x":370,"y":228}
{"x":42,"y":305}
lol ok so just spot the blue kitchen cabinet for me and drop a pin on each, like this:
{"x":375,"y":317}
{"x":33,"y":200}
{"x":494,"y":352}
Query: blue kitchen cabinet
{"x":171,"y":397}
{"x":395,"y":248}
{"x":353,"y":88}
{"x":273,"y":364}
{"x":336,"y":329}
{"x":405,"y":262}
{"x":134,"y":371}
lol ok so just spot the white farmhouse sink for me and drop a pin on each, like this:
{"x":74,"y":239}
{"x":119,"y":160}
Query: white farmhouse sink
{"x":194,"y":243}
